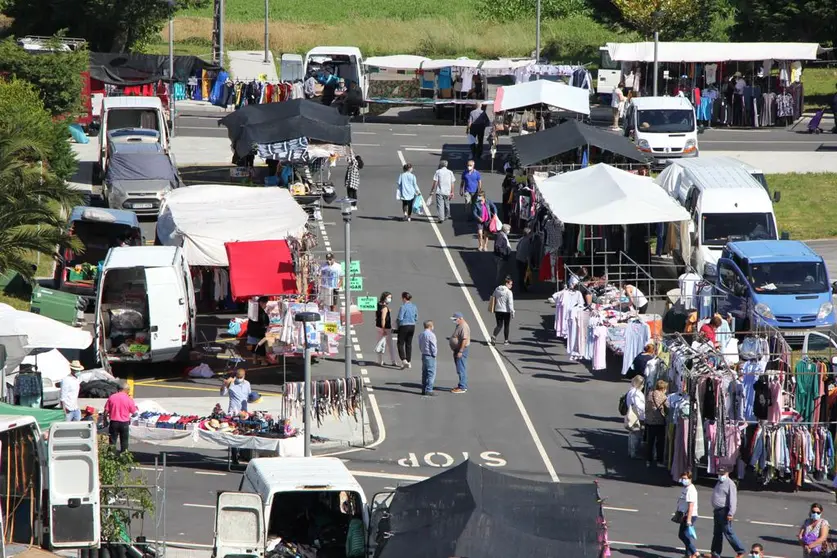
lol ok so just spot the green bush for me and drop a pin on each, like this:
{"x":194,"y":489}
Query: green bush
{"x":509,"y":10}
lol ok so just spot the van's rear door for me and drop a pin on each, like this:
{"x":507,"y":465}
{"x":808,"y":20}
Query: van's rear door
{"x":167,"y":312}
{"x":73,"y":482}
{"x":239,"y":525}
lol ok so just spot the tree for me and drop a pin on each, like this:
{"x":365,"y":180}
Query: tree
{"x":35,"y":162}
{"x":57,"y":75}
{"x":505,"y":10}
{"x":120,"y":488}
{"x":665,"y":16}
{"x":779,"y":20}
{"x":107,"y":25}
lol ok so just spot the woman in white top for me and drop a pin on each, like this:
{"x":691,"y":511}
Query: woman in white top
{"x":687,"y":509}
{"x":637,"y":298}
{"x":635,"y":416}
{"x":617,"y":104}
{"x":503,"y":309}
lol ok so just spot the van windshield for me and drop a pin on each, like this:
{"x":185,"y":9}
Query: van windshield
{"x":133,"y":118}
{"x":789,"y":278}
{"x":665,"y":121}
{"x":720,"y":228}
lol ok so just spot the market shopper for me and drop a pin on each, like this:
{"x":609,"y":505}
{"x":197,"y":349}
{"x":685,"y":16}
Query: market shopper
{"x":70,"y":387}
{"x":521,"y":259}
{"x":406,"y":324}
{"x":502,"y":251}
{"x":442,"y":190}
{"x":238,"y":389}
{"x":637,"y":298}
{"x":724,"y":508}
{"x":686,"y":514}
{"x":503,"y":310}
{"x":470,"y":184}
{"x":641,"y":361}
{"x":118,"y":410}
{"x":813,"y":533}
{"x":257,"y":322}
{"x":756,"y":551}
{"x":617,"y":104}
{"x":355,"y":164}
{"x":407,"y":190}
{"x":478,"y":122}
{"x":383,"y":321}
{"x":459,"y":344}
{"x":656,"y":414}
{"x":635,"y":416}
{"x":484,"y":212}
{"x":429,"y":351}
{"x":331,"y":281}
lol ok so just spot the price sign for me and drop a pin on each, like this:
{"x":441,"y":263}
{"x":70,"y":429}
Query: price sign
{"x":331,"y":328}
{"x":239,"y":172}
{"x":356,"y":283}
{"x":354,"y":267}
{"x":367,"y":303}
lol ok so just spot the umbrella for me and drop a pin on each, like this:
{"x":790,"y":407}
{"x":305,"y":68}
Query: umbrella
{"x":471,"y":511}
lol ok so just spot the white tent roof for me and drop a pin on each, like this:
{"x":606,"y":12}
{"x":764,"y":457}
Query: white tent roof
{"x":397,"y":62}
{"x":545,"y":92}
{"x":712,"y":52}
{"x":605,"y":195}
{"x":200,"y":219}
{"x":451,"y":63}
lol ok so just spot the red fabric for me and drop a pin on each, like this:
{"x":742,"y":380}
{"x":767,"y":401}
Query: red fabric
{"x":544,"y":271}
{"x":259,"y":268}
{"x":709,"y":331}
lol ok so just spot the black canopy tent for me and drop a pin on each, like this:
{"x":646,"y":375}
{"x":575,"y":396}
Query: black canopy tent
{"x":472,"y":511}
{"x":533,"y":149}
{"x":122,"y":69}
{"x":275,"y":122}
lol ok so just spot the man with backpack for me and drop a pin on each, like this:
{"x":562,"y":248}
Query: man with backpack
{"x":478,"y":122}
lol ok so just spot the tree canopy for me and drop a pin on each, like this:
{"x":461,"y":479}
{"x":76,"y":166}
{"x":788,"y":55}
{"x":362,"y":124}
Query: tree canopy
{"x":779,"y":20}
{"x":665,"y":16}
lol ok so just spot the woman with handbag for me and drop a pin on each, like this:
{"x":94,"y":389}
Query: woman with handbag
{"x":686,"y":514}
{"x":502,"y":305}
{"x":813,"y":534}
{"x":635,"y":416}
{"x":383,"y":321}
{"x":502,"y":251}
{"x":407,"y":190}
{"x":656,"y":411}
{"x":484,"y":212}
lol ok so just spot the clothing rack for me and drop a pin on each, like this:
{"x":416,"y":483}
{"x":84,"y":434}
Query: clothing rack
{"x":341,"y":397}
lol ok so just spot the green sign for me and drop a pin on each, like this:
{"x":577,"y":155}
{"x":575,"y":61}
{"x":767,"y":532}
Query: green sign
{"x":356,"y":283}
{"x":367,"y":303}
{"x":354,"y":267}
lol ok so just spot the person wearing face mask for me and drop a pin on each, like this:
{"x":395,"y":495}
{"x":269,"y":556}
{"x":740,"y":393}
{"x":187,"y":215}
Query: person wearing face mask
{"x":484,"y":211}
{"x":724,"y":507}
{"x":383,"y":321}
{"x":239,"y":391}
{"x":814,"y":533}
{"x":686,"y":514}
{"x":406,"y":190}
{"x":756,"y":551}
{"x":471,"y":184}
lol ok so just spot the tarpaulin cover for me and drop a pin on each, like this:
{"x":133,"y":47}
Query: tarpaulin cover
{"x":44,"y":417}
{"x":201,"y":219}
{"x":712,"y":52}
{"x":274,"y":122}
{"x":140,"y":166}
{"x":605,"y":195}
{"x":119,"y":68}
{"x":542,"y":92}
{"x":472,"y":511}
{"x":532,"y":149}
{"x":263,"y":267}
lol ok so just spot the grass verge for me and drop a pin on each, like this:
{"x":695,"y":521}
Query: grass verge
{"x":819,"y":87}
{"x":801,"y":212}
{"x":14,"y":302}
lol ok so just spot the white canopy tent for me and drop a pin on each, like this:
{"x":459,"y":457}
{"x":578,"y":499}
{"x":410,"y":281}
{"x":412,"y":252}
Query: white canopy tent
{"x":24,"y":332}
{"x":712,"y":52}
{"x":543,"y":92}
{"x":396,"y":62}
{"x":200,"y":219}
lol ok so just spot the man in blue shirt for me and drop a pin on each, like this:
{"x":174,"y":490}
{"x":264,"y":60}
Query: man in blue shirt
{"x":471,"y":184}
{"x":428,"y":348}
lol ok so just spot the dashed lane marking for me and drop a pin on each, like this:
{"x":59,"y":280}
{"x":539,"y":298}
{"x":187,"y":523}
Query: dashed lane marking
{"x":207,"y":506}
{"x":211,"y":473}
{"x":390,"y":476}
{"x":609,"y":508}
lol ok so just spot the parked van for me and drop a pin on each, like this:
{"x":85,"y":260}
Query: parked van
{"x":297,"y":499}
{"x":145,"y":307}
{"x":726,"y":203}
{"x":347,"y":63}
{"x":129,"y":113}
{"x":781,"y":283}
{"x":663,"y":127}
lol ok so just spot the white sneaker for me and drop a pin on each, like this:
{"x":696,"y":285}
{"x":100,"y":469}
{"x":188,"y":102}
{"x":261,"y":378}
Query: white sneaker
{"x":409,"y":364}
{"x":403,"y":364}
{"x":409,"y":219}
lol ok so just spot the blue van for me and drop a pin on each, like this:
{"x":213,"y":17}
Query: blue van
{"x":781,"y":283}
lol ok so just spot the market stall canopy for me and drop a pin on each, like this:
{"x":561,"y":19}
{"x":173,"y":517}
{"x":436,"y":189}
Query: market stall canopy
{"x":533,"y":149}
{"x":543,"y":92}
{"x":202,"y":219}
{"x":605,"y":195}
{"x":397,"y":62}
{"x":259,"y":268}
{"x":409,"y":62}
{"x":470,"y":510}
{"x":294,"y":119}
{"x":119,"y":68}
{"x":712,"y":52}
{"x":44,"y":417}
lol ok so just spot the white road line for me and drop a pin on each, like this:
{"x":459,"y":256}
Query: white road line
{"x":357,"y":347}
{"x":413,"y":146}
{"x":431,"y":149}
{"x":608,"y":508}
{"x":211,"y":473}
{"x":404,"y":134}
{"x":370,"y":389}
{"x":366,"y":380}
{"x":391,"y":476}
{"x":659,"y":547}
{"x":364,"y":133}
{"x":366,"y":144}
{"x":199,"y":506}
{"x":770,"y":524}
{"x":503,"y":370}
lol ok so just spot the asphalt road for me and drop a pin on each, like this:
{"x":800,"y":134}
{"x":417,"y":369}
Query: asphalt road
{"x":529,"y":411}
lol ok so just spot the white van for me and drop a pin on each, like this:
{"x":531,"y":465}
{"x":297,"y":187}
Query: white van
{"x":347,"y":62}
{"x":135,"y":113}
{"x":145,"y":307}
{"x":726,"y":202}
{"x":285,"y":497}
{"x":663,"y":127}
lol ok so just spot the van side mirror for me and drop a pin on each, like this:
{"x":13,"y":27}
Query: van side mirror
{"x":785,"y":235}
{"x":777,"y":196}
{"x":834,"y":287}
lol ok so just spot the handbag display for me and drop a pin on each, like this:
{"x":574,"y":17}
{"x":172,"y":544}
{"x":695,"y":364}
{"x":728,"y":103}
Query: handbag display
{"x":492,"y":303}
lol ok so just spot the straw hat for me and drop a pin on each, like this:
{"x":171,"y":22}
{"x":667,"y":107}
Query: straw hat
{"x":76,"y":366}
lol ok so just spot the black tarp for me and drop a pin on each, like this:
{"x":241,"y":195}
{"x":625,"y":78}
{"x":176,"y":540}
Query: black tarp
{"x":119,"y":68}
{"x":140,"y":166}
{"x":473,"y":511}
{"x":533,"y":149}
{"x":275,"y":122}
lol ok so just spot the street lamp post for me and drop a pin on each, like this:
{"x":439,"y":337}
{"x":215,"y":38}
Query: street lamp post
{"x":171,"y":71}
{"x":307,"y":318}
{"x":538,"y":34}
{"x":656,"y":19}
{"x":266,"y":32}
{"x":346,"y":210}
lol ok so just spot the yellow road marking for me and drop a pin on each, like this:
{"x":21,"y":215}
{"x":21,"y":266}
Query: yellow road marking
{"x":131,"y":385}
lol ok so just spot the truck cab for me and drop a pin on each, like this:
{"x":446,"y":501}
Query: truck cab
{"x":663,"y":127}
{"x":300,"y":502}
{"x":780,"y":283}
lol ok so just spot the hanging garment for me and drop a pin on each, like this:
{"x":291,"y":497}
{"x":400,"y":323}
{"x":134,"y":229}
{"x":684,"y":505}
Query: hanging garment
{"x":807,"y":380}
{"x":599,"y":347}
